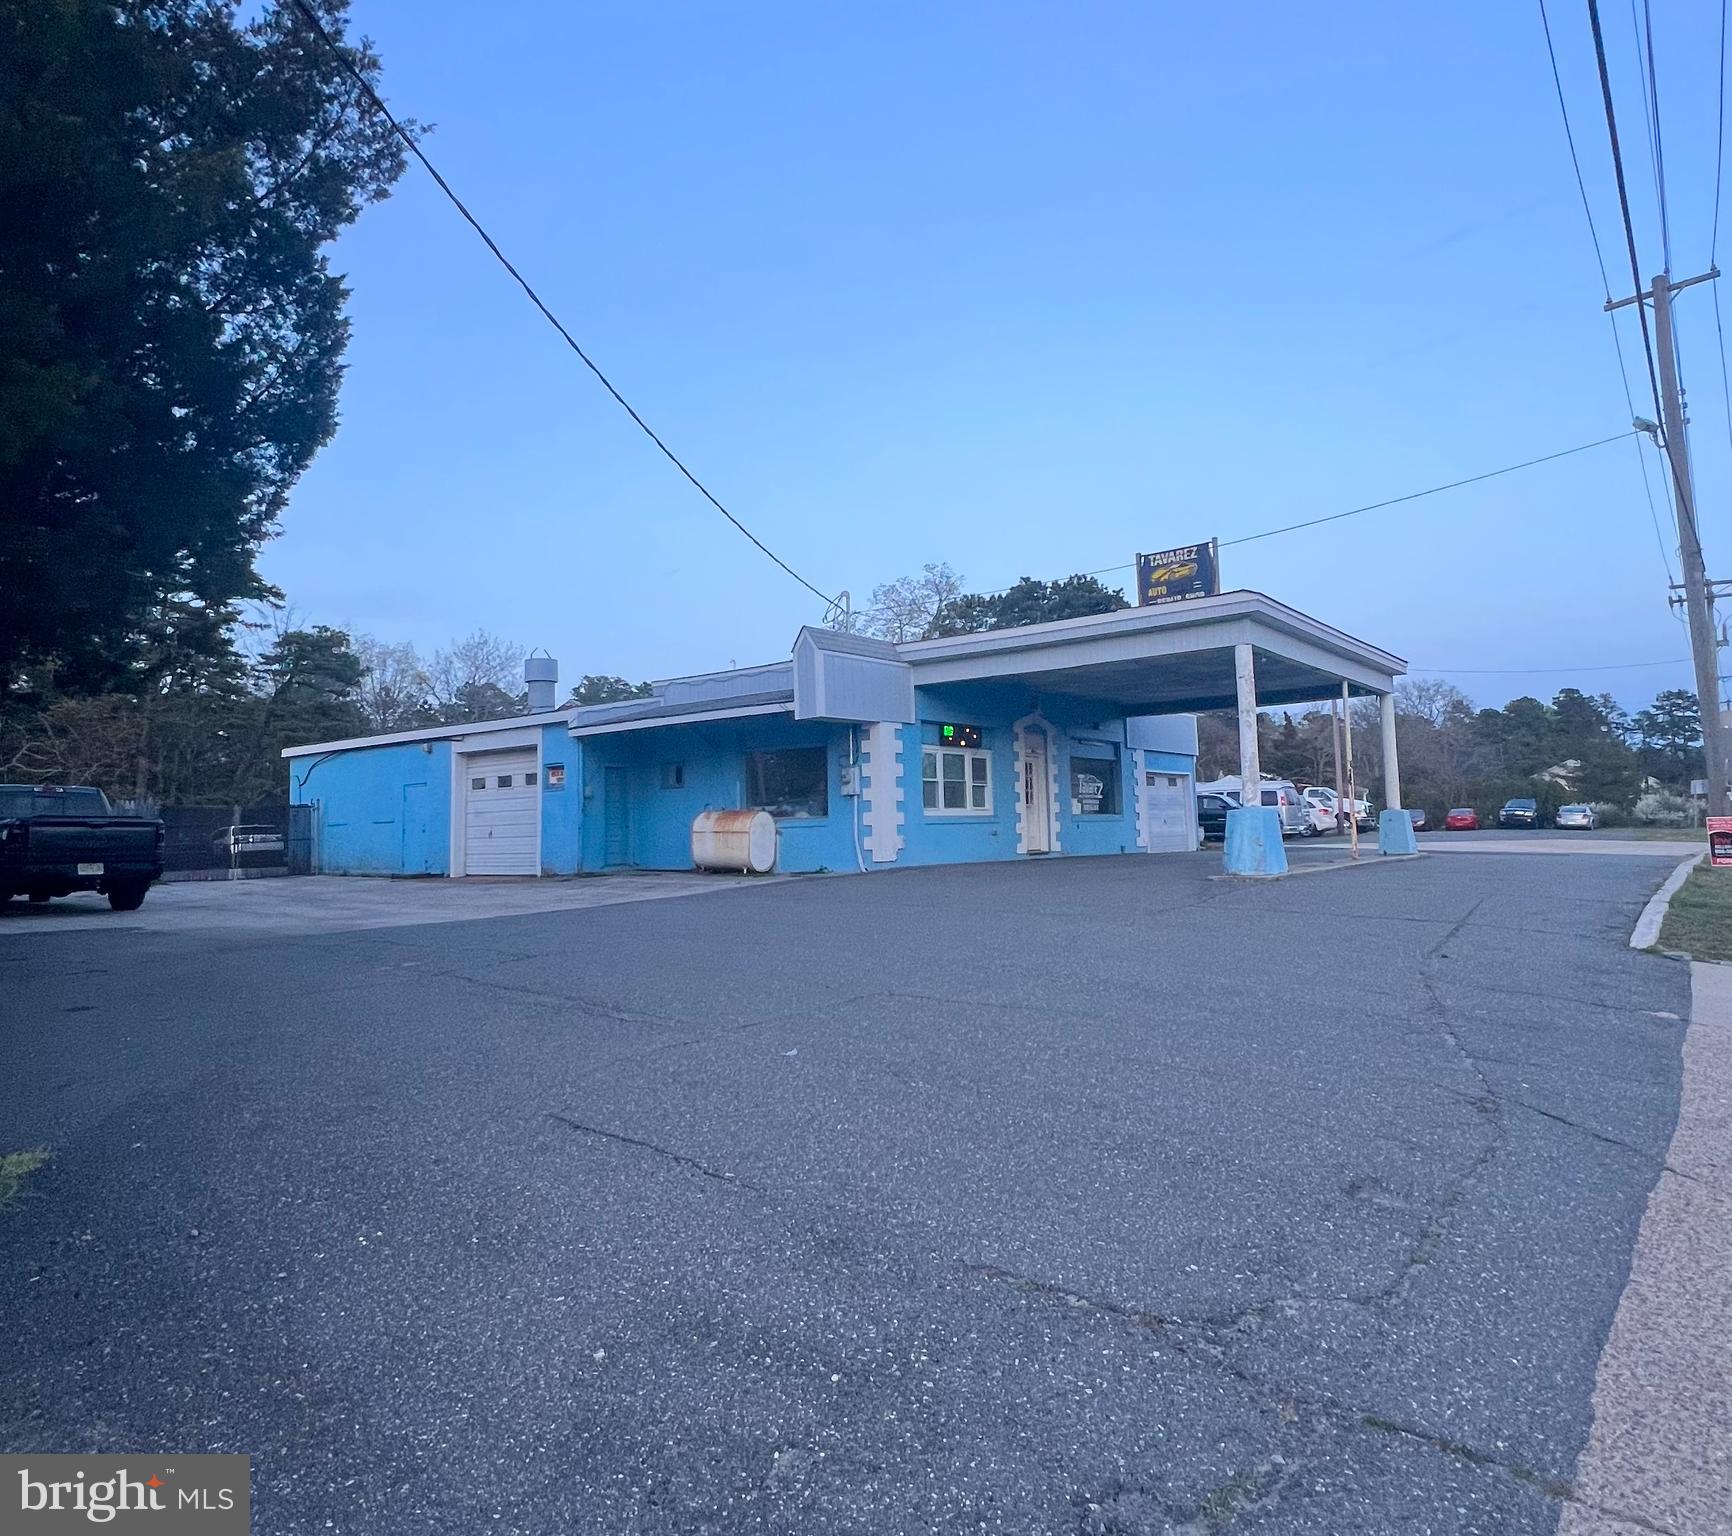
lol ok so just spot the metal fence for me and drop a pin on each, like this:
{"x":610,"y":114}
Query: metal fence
{"x":218,"y":837}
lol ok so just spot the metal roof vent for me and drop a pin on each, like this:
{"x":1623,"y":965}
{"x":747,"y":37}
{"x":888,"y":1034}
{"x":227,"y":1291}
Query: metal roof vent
{"x":541,"y":678}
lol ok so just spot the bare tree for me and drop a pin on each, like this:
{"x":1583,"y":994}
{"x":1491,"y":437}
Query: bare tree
{"x":476,"y":679}
{"x":908,"y":608}
{"x":396,"y":692}
{"x":1432,"y":700}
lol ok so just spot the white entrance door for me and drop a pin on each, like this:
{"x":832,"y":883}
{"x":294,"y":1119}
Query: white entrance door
{"x":1167,"y":806}
{"x":501,"y":810}
{"x":1036,"y":794}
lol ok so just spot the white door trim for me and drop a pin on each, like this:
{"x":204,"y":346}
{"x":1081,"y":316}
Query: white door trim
{"x":1023,"y":728}
{"x":460,"y":756}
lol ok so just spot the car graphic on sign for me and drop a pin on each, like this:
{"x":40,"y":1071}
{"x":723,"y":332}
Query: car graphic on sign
{"x":1174,"y":572}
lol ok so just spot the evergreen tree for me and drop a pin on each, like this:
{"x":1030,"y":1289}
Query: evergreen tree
{"x":171,"y":333}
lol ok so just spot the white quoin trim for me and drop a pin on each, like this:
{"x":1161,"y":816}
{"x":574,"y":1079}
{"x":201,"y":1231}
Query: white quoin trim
{"x":881,"y":768}
{"x":1037,"y":722}
{"x":1141,"y":784}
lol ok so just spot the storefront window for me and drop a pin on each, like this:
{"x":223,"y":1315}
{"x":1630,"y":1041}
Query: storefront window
{"x":1094,"y":786}
{"x":793,"y":783}
{"x":955,"y":781}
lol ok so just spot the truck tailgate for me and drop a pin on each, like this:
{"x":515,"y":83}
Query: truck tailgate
{"x":74,"y":840}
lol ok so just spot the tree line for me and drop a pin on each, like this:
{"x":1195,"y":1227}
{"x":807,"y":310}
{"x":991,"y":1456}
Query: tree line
{"x":206,"y":724}
{"x":1579,"y":747}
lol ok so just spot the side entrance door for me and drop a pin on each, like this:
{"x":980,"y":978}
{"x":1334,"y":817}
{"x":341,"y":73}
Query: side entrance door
{"x":1167,"y":802}
{"x":416,"y":855}
{"x":1036,"y":794}
{"x":616,"y":816}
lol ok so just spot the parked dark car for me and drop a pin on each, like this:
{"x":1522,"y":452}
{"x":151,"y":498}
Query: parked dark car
{"x":56,"y":839}
{"x":1520,"y":812}
{"x":1417,"y":816}
{"x":1212,"y":816}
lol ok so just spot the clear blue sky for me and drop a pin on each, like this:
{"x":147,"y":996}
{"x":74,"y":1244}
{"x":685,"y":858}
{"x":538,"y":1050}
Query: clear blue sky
{"x":1020,"y":287}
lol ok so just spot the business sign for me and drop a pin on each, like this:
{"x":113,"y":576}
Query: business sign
{"x":1720,"y":841}
{"x":1171,"y":575}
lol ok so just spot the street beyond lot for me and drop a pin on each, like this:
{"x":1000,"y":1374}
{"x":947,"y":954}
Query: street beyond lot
{"x":1091,"y":1195}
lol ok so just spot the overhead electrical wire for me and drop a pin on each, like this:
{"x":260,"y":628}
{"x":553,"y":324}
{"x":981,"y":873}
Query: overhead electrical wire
{"x":456,"y":202}
{"x":1714,"y":235}
{"x":1374,"y":506}
{"x":1623,"y":198}
{"x":1617,"y":666}
{"x":1644,"y":31}
{"x":1682,"y":500}
{"x":1606,"y":285}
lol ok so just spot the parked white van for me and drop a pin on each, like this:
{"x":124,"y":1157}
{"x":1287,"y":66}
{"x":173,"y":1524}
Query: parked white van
{"x":1298,"y":817}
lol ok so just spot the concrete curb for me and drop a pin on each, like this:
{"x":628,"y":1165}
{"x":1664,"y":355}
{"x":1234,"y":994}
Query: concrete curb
{"x":1657,"y":1455}
{"x":1647,"y":930}
{"x":1319,"y":869}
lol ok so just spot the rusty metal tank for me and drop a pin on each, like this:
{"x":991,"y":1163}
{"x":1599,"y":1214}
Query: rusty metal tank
{"x":742,"y":840}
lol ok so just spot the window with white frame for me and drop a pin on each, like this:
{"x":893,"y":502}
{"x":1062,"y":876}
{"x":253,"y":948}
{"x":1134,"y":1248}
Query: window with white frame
{"x":955,"y":781}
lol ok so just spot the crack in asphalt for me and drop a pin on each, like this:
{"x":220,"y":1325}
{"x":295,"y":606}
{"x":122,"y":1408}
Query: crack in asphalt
{"x":1554,"y":1488}
{"x":580,"y":1004}
{"x":1653,"y":1159}
{"x":697,"y":1166}
{"x":1261,"y":1487}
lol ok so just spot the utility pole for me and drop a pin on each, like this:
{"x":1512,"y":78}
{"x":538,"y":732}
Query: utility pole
{"x":1352,"y":790}
{"x":1340,"y":772}
{"x":1692,"y":576}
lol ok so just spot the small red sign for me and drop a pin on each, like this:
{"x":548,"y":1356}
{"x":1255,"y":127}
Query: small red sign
{"x":1720,"y":841}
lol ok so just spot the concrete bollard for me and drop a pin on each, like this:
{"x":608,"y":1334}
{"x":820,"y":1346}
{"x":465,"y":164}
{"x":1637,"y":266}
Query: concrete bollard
{"x":1395,"y":833}
{"x":1253,"y":844}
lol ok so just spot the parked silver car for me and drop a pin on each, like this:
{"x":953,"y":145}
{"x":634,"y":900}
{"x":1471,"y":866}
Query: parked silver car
{"x":1580,"y":818}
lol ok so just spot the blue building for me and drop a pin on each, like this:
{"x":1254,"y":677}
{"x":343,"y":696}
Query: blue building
{"x":1076,"y":737}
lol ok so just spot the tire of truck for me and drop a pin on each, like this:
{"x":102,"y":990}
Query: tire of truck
{"x":128,"y":897}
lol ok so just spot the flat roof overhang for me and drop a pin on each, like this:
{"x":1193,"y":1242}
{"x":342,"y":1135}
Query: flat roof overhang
{"x":656,"y":714}
{"x":1176,"y":658}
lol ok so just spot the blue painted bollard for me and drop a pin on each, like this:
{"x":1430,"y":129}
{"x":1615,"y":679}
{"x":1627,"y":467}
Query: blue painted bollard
{"x":1254,"y":842}
{"x":1395,"y":833}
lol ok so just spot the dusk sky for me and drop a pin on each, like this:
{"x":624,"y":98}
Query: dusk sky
{"x":1024,"y":288}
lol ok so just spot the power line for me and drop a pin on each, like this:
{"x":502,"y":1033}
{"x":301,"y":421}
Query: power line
{"x":1650,"y":79}
{"x":1606,"y":284}
{"x":1393,"y":501}
{"x":1490,"y":474}
{"x":1619,"y":666}
{"x":535,"y":298}
{"x":1714,"y":237}
{"x":1623,"y":197}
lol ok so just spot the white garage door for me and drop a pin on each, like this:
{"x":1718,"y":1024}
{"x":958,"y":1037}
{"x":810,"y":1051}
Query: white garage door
{"x":501,"y":806}
{"x":1167,"y":806}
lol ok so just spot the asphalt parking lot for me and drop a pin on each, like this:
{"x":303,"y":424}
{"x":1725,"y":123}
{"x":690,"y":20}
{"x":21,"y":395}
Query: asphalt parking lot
{"x":1091,"y":1195}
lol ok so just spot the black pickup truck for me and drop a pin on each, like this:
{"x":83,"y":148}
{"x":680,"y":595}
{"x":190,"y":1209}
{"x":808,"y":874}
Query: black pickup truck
{"x":56,"y":839}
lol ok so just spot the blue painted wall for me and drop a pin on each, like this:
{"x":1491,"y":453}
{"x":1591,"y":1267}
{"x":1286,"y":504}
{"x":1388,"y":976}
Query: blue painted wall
{"x":1082,"y":727}
{"x":382,"y":810}
{"x":387,"y":810}
{"x":561,"y":809}
{"x":712,"y":760}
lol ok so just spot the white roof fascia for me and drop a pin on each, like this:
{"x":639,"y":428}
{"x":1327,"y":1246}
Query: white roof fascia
{"x":431,"y":733}
{"x":694,"y":717}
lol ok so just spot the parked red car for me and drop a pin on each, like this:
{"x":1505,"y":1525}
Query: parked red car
{"x":1464,"y":818}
